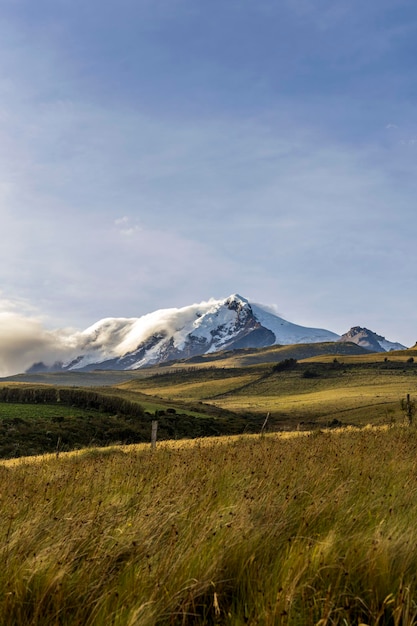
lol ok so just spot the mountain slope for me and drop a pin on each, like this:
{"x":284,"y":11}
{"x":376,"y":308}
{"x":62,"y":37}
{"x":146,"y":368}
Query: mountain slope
{"x":171,"y":334}
{"x":369,"y":340}
{"x":199,"y":329}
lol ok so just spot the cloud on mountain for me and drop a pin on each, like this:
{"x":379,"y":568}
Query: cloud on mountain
{"x":24,"y":341}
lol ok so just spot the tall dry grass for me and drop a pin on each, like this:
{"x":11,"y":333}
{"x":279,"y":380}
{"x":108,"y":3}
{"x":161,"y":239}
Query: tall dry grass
{"x":317,"y":529}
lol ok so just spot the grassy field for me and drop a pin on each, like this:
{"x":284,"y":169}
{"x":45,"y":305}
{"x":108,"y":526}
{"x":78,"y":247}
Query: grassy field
{"x":194,"y":384}
{"x":315,"y":529}
{"x":355,"y":391}
{"x":353,"y":395}
{"x":316,"y":392}
{"x":34,"y":425}
{"x":30,"y":429}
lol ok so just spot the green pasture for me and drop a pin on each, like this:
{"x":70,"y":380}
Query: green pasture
{"x":57,"y":412}
{"x":30,"y":427}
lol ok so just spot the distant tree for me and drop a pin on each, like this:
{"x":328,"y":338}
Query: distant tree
{"x":286,"y":364}
{"x":310,"y":373}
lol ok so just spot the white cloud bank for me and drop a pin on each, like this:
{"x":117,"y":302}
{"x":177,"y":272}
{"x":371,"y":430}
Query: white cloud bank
{"x":24,"y":341}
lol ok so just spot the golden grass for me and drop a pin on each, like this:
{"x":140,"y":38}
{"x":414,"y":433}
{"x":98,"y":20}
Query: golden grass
{"x":356,"y":395}
{"x":397,"y":356}
{"x":309,"y":529}
{"x":356,"y":405}
{"x":168,"y":444}
{"x":190,"y":390}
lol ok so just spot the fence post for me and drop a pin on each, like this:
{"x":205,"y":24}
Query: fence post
{"x":154,"y":433}
{"x":264,"y":425}
{"x":409,"y":409}
{"x":58,"y":443}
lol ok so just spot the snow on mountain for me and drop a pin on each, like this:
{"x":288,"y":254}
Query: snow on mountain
{"x":179,"y":333}
{"x":287,"y":333}
{"x":130,"y":343}
{"x":370,"y":340}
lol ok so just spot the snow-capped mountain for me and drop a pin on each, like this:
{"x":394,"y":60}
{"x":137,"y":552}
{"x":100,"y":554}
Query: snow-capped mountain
{"x":131,"y":343}
{"x":207,"y":327}
{"x":370,"y":340}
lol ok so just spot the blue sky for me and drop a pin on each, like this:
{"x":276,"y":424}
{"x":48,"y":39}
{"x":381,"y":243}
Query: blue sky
{"x":156,"y":153}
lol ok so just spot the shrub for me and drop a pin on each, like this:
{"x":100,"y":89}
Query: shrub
{"x":286,"y":364}
{"x":309,"y":373}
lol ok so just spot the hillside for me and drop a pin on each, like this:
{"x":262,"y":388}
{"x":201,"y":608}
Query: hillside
{"x":275,"y":354}
{"x":309,"y":394}
{"x":241,"y":357}
{"x":220,"y":395}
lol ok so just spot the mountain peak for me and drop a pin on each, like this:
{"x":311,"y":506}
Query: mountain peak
{"x":172,"y":334}
{"x":235,"y":302}
{"x":237,"y":297}
{"x":180,"y":333}
{"x":369,"y":340}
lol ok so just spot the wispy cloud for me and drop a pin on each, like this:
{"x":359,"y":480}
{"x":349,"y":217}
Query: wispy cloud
{"x":127,"y":226}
